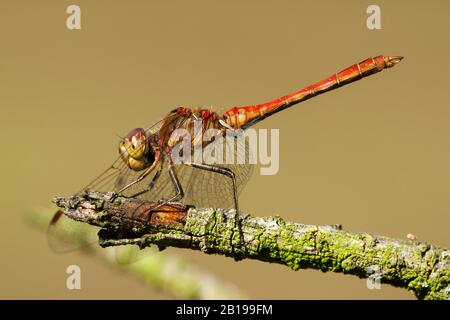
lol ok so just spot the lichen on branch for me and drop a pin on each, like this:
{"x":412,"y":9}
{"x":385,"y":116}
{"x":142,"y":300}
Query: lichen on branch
{"x":421,"y":268}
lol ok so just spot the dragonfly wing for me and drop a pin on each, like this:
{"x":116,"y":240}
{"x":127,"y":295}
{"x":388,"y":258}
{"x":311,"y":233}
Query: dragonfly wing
{"x":67,"y":235}
{"x":201,"y":188}
{"x":211,"y":189}
{"x":163,"y":189}
{"x":113,"y":177}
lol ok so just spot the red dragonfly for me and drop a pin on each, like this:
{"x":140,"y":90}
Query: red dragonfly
{"x":145,"y":167}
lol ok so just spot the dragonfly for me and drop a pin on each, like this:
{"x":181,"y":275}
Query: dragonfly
{"x":146,"y":169}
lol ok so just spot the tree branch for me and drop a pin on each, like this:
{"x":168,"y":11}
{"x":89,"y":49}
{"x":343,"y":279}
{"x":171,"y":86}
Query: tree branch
{"x":422,"y":268}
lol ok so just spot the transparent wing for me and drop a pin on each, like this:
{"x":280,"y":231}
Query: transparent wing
{"x":163,"y":188}
{"x":65,"y":235}
{"x":202,"y":188}
{"x":68,"y":236}
{"x":211,"y":189}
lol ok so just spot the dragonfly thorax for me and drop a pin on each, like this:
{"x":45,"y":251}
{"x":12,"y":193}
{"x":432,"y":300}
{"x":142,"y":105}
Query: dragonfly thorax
{"x":136,"y":151}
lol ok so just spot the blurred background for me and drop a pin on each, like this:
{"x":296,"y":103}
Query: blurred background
{"x":373,"y":156}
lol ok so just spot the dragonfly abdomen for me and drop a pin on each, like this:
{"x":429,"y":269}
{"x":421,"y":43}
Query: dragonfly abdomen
{"x":244,"y":117}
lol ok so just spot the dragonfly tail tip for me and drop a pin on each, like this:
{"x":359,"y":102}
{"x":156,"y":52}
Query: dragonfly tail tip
{"x":393,"y":60}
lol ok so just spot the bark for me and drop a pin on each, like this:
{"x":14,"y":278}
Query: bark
{"x":420,"y":267}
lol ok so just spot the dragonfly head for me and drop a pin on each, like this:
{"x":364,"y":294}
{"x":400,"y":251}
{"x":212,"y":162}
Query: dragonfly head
{"x":135,"y":150}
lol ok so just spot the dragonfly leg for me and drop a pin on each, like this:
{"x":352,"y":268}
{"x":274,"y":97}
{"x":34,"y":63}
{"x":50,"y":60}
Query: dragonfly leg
{"x":176,"y":184}
{"x":141,"y":177}
{"x":179,"y":193}
{"x":229,"y":173}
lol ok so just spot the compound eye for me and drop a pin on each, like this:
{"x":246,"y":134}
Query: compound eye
{"x":135,"y":143}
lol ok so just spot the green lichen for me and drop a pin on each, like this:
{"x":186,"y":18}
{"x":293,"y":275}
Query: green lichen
{"x":325,"y":248}
{"x":415,"y":266}
{"x":99,"y":204}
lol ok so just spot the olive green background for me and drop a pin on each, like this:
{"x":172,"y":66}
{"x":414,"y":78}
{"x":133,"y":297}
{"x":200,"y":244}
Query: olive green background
{"x":373,"y":156}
